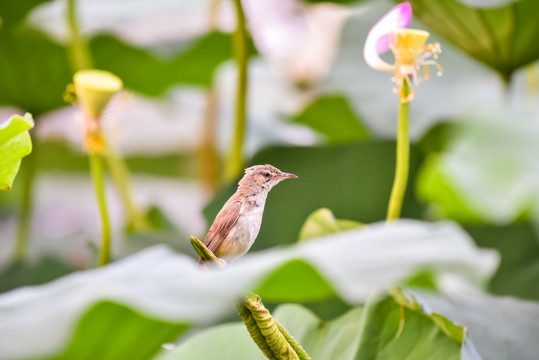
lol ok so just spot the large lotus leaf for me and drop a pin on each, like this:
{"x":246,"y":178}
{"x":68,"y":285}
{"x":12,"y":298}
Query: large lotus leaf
{"x":503,"y":37}
{"x":421,"y":338}
{"x":143,"y":72}
{"x":226,"y":341}
{"x":495,"y":328}
{"x":20,"y":274}
{"x":446,"y":201}
{"x":322,"y":222}
{"x":135,"y":336}
{"x":518,"y":244}
{"x":59,"y":156}
{"x":35,"y":70}
{"x":352,"y":180}
{"x":488,"y":172}
{"x":15,"y":143}
{"x":499,"y":327}
{"x":12,"y":12}
{"x":361,"y":333}
{"x":38,"y":321}
{"x":332,"y":116}
{"x":487,"y":3}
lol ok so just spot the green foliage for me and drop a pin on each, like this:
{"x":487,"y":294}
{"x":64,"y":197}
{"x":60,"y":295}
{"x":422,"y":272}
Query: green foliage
{"x":502,"y":37}
{"x":421,"y":337}
{"x":362,"y":333}
{"x":24,"y":274}
{"x":145,"y":73}
{"x":12,"y":13}
{"x":35,"y":70}
{"x":436,"y":187}
{"x":333,"y":117}
{"x":438,"y":137}
{"x":226,"y":341}
{"x":59,"y":156}
{"x":353,"y":180}
{"x":15,"y":143}
{"x":518,"y":274}
{"x":482,"y":175}
{"x":488,"y":173}
{"x":494,"y":324}
{"x":131,"y":335}
{"x":322,"y":222}
{"x":46,"y":62}
{"x":309,"y":283}
{"x":170,"y":289}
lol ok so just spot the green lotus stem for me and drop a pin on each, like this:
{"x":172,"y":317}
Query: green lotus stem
{"x":80,"y":55}
{"x":275,"y":339}
{"x":80,"y":60}
{"x":254,"y":331}
{"x":234,"y":162}
{"x":402,"y":319}
{"x":120,"y":176}
{"x":269,"y":335}
{"x":293,"y":342}
{"x":96,"y":169}
{"x":403,"y":159}
{"x":28,"y":175}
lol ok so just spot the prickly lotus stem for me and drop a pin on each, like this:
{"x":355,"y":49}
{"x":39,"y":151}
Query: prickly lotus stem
{"x":267,"y":332}
{"x":254,"y":331}
{"x":295,"y":345}
{"x":269,"y":335}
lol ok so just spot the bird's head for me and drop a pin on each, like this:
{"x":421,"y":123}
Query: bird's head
{"x":264,"y":176}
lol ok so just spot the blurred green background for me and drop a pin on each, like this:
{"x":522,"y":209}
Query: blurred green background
{"x":475,"y":130}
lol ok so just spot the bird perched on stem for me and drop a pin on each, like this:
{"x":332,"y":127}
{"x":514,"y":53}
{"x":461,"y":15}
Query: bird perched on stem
{"x":236,"y":226}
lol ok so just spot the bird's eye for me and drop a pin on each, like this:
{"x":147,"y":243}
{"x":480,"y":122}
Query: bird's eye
{"x":267,"y":174}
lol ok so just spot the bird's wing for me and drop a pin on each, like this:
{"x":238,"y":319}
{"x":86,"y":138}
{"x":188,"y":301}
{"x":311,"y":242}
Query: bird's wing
{"x":224,"y":221}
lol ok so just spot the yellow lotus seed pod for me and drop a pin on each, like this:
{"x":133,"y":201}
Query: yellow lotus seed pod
{"x":94,"y":89}
{"x":407,"y":45}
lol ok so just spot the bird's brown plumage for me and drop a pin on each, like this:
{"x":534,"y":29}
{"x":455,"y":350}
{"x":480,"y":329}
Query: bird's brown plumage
{"x":224,"y":221}
{"x":237,"y":224}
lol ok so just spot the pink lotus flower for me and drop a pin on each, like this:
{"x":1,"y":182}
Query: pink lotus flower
{"x":297,"y":39}
{"x":408,"y":47}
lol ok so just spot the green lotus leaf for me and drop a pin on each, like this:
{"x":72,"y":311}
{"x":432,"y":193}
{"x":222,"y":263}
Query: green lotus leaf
{"x":368,"y":332}
{"x":333,"y":117}
{"x":502,"y":35}
{"x":15,"y":143}
{"x":12,"y":12}
{"x":322,"y":222}
{"x":49,"y":321}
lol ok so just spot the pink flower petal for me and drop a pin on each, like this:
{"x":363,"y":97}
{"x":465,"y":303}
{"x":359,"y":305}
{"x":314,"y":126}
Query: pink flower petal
{"x":399,"y":17}
{"x":377,"y":42}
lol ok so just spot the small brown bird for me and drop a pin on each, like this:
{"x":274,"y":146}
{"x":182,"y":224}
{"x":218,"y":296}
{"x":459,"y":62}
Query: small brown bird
{"x":236,"y":226}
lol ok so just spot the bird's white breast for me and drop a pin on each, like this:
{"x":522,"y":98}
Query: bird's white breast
{"x":245,"y":230}
{"x":253,"y":219}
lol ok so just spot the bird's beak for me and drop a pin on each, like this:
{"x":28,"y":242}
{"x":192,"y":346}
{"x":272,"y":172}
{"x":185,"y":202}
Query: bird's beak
{"x":288,"y":176}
